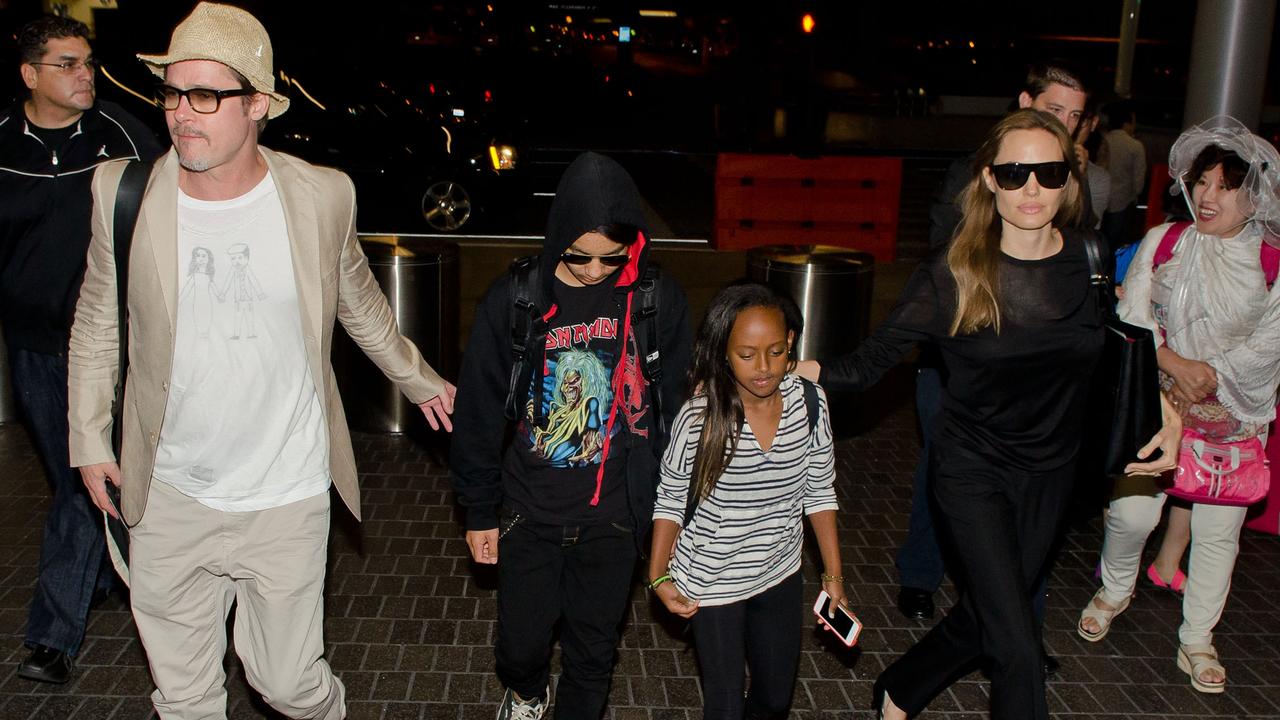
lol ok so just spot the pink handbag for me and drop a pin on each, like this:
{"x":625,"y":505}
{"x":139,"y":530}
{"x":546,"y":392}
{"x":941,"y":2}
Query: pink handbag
{"x":1235,"y":473}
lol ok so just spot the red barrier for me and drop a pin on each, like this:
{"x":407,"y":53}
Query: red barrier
{"x":780,"y":199}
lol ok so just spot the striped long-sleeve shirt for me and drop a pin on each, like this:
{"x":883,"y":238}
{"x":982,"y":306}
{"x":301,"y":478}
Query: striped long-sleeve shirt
{"x":746,"y":536}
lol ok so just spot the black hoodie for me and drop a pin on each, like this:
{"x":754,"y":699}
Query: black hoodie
{"x":590,"y":388}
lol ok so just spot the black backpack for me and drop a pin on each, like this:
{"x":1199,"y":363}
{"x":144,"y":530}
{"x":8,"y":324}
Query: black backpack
{"x":529,"y":336}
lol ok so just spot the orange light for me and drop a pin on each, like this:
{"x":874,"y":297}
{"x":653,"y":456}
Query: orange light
{"x":806,"y":23}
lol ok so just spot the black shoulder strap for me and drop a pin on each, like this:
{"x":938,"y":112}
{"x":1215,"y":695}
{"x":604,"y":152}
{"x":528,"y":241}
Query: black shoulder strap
{"x":133,"y":183}
{"x":1098,"y":276}
{"x":810,"y":403}
{"x":649,"y":345}
{"x":525,"y":319}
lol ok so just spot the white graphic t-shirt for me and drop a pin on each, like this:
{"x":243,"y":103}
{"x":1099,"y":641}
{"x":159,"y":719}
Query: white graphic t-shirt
{"x":243,"y":429}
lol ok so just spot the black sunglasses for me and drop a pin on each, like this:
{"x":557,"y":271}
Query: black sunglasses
{"x":570,"y":258}
{"x":1050,"y":175}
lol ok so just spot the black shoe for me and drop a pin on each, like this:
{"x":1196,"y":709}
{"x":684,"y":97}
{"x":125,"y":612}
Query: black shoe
{"x":878,"y":699}
{"x":915,"y":604}
{"x":1051,"y":664}
{"x":47,"y":665}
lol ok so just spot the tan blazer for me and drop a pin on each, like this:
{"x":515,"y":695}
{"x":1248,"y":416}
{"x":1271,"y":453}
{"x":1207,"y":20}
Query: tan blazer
{"x":333,"y":281}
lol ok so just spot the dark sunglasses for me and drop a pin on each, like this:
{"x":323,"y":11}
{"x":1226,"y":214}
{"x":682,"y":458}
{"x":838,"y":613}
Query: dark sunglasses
{"x":1050,"y":175}
{"x":606,"y":260}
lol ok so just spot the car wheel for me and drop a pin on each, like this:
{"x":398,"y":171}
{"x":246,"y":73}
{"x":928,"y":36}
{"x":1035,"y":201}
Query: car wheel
{"x":446,"y":206}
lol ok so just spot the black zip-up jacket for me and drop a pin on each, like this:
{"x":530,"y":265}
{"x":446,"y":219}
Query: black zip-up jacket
{"x":45,"y":210}
{"x":594,"y":191}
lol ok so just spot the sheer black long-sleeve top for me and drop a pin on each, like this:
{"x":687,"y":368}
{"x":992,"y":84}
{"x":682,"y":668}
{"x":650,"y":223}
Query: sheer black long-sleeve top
{"x":1015,"y":398}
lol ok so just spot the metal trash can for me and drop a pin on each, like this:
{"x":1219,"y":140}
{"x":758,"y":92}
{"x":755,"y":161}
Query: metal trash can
{"x":832,"y":286}
{"x":420,"y":279}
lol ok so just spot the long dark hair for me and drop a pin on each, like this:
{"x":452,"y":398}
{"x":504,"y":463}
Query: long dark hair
{"x":973,"y":257}
{"x":709,"y":370}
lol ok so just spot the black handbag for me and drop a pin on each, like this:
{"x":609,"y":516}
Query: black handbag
{"x":1124,"y":410}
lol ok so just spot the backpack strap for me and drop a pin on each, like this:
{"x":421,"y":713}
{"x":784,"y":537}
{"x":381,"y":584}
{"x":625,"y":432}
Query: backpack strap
{"x":1164,"y":250}
{"x":810,"y":403}
{"x":133,"y":183}
{"x":648,"y":343}
{"x":528,"y":336}
{"x":1268,"y":254}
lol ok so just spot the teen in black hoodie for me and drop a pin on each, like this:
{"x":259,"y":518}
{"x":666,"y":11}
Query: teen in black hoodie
{"x":568,"y":500}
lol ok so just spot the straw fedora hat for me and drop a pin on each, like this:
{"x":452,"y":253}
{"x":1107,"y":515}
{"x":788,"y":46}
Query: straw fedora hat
{"x":228,"y":35}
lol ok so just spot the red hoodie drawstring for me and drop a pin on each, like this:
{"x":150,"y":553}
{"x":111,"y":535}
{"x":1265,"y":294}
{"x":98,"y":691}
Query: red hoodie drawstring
{"x":618,"y":384}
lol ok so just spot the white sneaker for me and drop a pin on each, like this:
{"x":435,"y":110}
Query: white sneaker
{"x":513,"y":709}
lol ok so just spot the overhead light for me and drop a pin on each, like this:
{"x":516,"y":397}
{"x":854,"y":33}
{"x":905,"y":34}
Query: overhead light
{"x":658,"y":13}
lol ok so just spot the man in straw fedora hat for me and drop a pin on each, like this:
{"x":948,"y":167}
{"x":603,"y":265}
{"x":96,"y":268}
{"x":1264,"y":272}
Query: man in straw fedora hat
{"x":231,"y":439}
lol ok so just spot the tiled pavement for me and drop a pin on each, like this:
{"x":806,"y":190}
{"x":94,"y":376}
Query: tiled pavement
{"x":411,"y":620}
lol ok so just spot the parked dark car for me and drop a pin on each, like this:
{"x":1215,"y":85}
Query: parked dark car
{"x":424,"y":157}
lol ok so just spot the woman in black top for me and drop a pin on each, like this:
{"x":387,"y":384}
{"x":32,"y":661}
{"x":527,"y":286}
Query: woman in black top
{"x":1010,"y":307}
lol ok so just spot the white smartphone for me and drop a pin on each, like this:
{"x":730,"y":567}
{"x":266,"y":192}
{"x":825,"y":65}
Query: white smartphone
{"x":845,"y":624}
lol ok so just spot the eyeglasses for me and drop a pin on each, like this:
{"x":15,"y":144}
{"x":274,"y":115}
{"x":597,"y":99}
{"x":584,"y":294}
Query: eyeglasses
{"x":570,"y":258}
{"x":71,"y":66}
{"x":202,"y":100}
{"x":1050,"y":175}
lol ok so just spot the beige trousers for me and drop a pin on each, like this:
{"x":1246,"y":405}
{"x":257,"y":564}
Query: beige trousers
{"x":1215,"y":542}
{"x":189,"y":562}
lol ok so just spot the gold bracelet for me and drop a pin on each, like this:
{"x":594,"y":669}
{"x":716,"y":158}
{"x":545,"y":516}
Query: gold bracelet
{"x":832,"y":578}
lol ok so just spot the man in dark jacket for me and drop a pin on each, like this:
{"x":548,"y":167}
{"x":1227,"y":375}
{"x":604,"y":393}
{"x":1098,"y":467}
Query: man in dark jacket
{"x":565,"y":504}
{"x":49,"y":147}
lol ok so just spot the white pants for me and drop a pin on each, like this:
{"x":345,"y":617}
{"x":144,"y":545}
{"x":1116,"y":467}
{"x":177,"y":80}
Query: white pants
{"x":1215,"y":542}
{"x":187,"y":563}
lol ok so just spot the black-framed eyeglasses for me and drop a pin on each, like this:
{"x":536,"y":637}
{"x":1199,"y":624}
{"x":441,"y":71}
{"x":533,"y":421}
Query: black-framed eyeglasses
{"x":203,"y":100}
{"x":571,"y":258}
{"x":1050,"y":175}
{"x":71,"y":66}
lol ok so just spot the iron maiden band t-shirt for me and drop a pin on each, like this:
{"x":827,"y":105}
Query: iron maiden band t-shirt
{"x":556,"y":465}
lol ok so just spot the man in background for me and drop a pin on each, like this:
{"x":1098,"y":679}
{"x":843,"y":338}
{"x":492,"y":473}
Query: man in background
{"x":50,"y":144}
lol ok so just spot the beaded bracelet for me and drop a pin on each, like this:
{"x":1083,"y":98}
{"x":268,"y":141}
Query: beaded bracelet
{"x":653,"y":585}
{"x":832,"y":578}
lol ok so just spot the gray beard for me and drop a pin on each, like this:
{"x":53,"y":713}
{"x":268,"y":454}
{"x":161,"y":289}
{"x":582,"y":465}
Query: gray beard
{"x":194,"y":165}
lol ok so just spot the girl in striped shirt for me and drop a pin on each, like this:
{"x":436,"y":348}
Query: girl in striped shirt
{"x":744,"y":446}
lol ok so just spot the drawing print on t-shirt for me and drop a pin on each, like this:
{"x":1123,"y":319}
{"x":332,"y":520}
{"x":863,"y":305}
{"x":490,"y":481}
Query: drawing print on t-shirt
{"x":198,"y":290}
{"x":574,"y":434}
{"x":245,"y":290}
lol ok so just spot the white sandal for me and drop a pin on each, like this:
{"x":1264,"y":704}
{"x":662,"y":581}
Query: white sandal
{"x":1099,"y":615}
{"x":1194,"y":660}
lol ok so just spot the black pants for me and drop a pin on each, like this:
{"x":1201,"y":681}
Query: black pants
{"x":761,"y":633}
{"x":1002,"y":524}
{"x":579,"y":578}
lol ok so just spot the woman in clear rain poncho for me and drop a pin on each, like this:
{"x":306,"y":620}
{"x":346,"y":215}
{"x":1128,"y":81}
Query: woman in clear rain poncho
{"x":1217,"y":325}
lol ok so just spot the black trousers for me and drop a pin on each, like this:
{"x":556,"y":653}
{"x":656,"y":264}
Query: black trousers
{"x":761,"y":633}
{"x":578,"y":578}
{"x":1002,"y":524}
